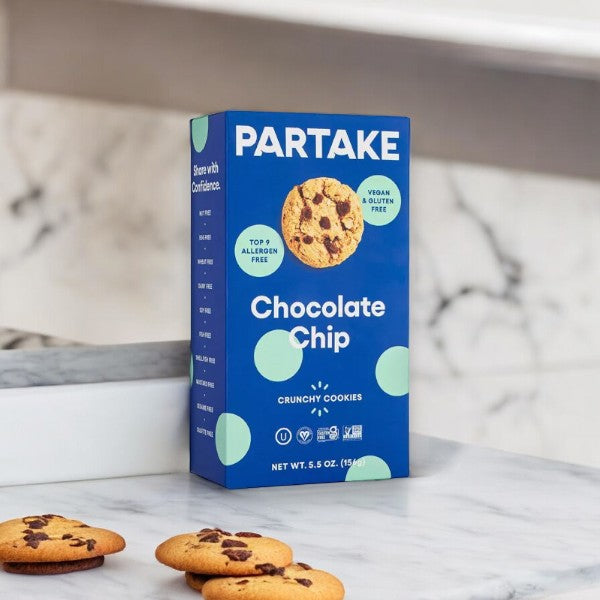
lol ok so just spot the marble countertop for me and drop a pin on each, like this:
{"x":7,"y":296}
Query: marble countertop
{"x":30,"y":359}
{"x":470,"y":524}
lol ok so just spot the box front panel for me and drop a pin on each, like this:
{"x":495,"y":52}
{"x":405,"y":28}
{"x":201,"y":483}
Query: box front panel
{"x":317,"y":304}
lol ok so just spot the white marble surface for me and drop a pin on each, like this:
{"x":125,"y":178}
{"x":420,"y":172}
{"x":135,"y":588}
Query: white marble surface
{"x":93,"y":220}
{"x":505,"y":270}
{"x":554,"y":414}
{"x":470,"y":524}
{"x":583,"y":594}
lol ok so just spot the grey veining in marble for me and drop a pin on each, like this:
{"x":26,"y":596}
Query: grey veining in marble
{"x":505,"y":269}
{"x":470,"y":524}
{"x":13,"y":339}
{"x":92,"y":364}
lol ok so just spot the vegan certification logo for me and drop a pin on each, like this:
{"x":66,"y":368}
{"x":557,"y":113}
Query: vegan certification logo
{"x":304,"y":435}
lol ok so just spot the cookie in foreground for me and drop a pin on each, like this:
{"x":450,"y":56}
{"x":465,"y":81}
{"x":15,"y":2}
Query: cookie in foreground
{"x":295,"y":582}
{"x":52,"y":545}
{"x":218,"y":552}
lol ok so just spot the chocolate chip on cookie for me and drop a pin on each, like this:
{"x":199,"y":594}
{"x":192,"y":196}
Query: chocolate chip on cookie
{"x":269,"y":569}
{"x":50,"y":544}
{"x":233,"y":544}
{"x":238,"y":555}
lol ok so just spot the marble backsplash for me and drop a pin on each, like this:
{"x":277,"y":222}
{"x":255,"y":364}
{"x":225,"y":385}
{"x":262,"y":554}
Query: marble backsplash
{"x":505,"y":268}
{"x":94,"y":227}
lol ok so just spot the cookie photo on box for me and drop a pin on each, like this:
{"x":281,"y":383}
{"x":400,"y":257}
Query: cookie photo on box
{"x":322,"y":222}
{"x":52,"y":545}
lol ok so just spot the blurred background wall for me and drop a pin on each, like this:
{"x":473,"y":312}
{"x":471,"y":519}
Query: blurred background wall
{"x":505,"y":202}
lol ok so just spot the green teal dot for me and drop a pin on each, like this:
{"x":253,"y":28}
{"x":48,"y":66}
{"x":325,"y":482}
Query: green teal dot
{"x":275,"y":357}
{"x":191,"y":369}
{"x":259,"y":250}
{"x":232,"y":438}
{"x":199,"y":133}
{"x":380,"y":199}
{"x":368,"y":467}
{"x":391,"y":371}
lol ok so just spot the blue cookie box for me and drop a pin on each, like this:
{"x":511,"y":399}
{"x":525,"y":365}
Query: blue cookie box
{"x":242,"y":431}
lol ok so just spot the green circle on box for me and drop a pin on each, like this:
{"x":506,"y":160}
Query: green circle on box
{"x":391,"y":371}
{"x":200,"y":133}
{"x":259,"y":250}
{"x":380,"y":199}
{"x":232,"y":438}
{"x":368,"y":468}
{"x":275,"y":358}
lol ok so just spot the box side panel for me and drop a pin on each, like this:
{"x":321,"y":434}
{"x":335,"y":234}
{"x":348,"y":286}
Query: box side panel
{"x":208,"y":291}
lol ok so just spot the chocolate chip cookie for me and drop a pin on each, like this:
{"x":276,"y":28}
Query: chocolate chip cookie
{"x":322,"y":222}
{"x":51,"y":545}
{"x":195,"y":580}
{"x":218,"y":552}
{"x":296,"y":582}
